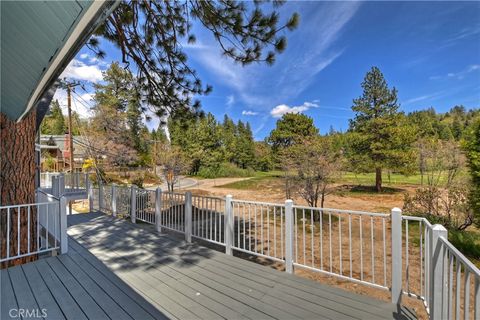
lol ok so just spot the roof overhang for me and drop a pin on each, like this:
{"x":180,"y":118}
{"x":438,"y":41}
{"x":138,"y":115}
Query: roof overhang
{"x":50,"y":34}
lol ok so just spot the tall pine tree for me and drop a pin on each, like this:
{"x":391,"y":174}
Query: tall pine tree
{"x":381,"y":138}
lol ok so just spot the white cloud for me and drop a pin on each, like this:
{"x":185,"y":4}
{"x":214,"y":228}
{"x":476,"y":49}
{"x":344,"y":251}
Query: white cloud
{"x":249,"y":113}
{"x":458,"y":75}
{"x":78,"y":70}
{"x":421,"y":98}
{"x":84,"y":56}
{"x":282,"y":109}
{"x":230,"y":100}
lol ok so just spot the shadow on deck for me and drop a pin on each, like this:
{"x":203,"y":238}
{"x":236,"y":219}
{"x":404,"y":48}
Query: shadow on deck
{"x":118,"y":270}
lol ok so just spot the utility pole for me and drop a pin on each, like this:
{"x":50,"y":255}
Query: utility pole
{"x":70,"y":131}
{"x":155,"y":163}
{"x":69,"y":86}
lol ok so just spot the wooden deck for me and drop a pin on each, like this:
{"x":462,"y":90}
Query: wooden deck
{"x":117,"y":270}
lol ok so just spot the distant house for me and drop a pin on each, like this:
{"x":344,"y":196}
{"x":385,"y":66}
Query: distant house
{"x":55,"y":153}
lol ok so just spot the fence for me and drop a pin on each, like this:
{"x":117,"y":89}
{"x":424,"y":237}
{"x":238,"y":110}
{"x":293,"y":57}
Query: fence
{"x":402,"y":254}
{"x":45,"y":223}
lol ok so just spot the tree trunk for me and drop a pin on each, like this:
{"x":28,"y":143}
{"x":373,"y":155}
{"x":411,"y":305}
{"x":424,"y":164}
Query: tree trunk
{"x":17,"y":184}
{"x":378,"y":179}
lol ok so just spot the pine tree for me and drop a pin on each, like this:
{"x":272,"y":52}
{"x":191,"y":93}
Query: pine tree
{"x":245,"y":145}
{"x":229,"y":133}
{"x":291,"y":129}
{"x":54,"y":123}
{"x":382,"y":138}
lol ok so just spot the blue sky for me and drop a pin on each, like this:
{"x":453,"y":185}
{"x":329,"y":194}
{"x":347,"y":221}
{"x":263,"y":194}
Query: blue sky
{"x":430,"y":51}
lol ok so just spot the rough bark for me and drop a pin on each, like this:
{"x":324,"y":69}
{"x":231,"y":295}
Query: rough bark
{"x":378,"y":179}
{"x":17,"y":184}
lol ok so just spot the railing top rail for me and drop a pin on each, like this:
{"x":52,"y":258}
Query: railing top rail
{"x":174,"y":193}
{"x":208,"y":197}
{"x":121,"y":186}
{"x":48,"y":194}
{"x":414,"y":218}
{"x":259,"y":203}
{"x":377,"y":214}
{"x":467,"y":263}
{"x":26,"y":205}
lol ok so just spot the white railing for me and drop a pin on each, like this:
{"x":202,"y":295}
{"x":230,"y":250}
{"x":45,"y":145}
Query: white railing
{"x":455,"y":285}
{"x":44,"y":223}
{"x":172,"y":211}
{"x":122,"y":197}
{"x":416,"y":253}
{"x":75,"y":181}
{"x":258,"y":228}
{"x":46,"y":179}
{"x":105,"y":199}
{"x":324,"y":237}
{"x":145,"y":206}
{"x":208,"y":218}
{"x":70,"y":182}
{"x":403,"y":254}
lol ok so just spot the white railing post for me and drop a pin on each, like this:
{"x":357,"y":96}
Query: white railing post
{"x":396,"y":221}
{"x":158,"y":209}
{"x":133,"y":204}
{"x":55,"y":186}
{"x":229,"y":225}
{"x":100,"y":194}
{"x":476,"y":298}
{"x":289,"y":232}
{"x":438,"y":280}
{"x":63,"y":225}
{"x":61,"y":185}
{"x":86,"y":181}
{"x":188,"y":217}
{"x":114,"y":200}
{"x":90,"y":195}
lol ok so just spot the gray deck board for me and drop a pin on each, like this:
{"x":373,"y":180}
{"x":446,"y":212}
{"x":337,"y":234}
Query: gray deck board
{"x":118,"y":270}
{"x":145,"y":310}
{"x":8,"y":300}
{"x":64,"y":300}
{"x":123,"y":294}
{"x":95,"y":291}
{"x":41,"y":292}
{"x":24,"y":295}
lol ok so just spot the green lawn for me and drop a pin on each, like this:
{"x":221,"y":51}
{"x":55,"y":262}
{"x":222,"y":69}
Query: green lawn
{"x":346,"y":178}
{"x":393,"y":179}
{"x":369,"y":179}
{"x":256,"y":182}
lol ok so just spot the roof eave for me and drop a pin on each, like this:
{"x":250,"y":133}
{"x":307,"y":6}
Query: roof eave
{"x":93,"y":17}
